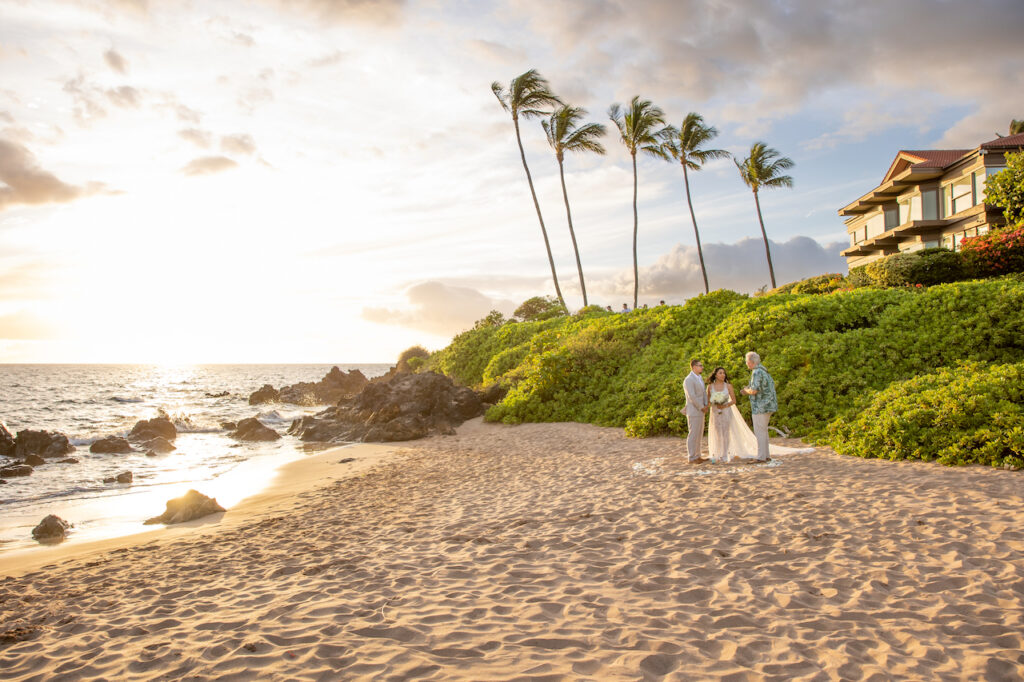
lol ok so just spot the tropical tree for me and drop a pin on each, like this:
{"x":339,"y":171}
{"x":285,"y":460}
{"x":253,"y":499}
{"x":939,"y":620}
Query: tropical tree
{"x":565,"y":134}
{"x":639,"y":127}
{"x":1016,"y":127}
{"x":686,"y":145}
{"x":529,"y":96}
{"x":763,"y":169}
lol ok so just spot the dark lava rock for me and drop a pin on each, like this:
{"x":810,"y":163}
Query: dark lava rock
{"x":158,"y":446}
{"x":15,"y":470}
{"x":404,"y":407}
{"x":253,"y":429}
{"x":34,"y":460}
{"x":228,"y":426}
{"x":42,"y":443}
{"x":111,"y":445}
{"x":335,"y":386}
{"x":493,"y":394}
{"x":267,"y":394}
{"x":51,"y":528}
{"x":123,"y":477}
{"x":6,"y":442}
{"x":148,"y":429}
{"x":191,"y":505}
{"x":67,"y":460}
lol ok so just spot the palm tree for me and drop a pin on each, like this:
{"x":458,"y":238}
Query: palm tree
{"x":566,"y":135}
{"x":529,"y":95}
{"x":637,"y":129}
{"x":685,"y":146}
{"x":763,"y":168}
{"x":1016,"y":127}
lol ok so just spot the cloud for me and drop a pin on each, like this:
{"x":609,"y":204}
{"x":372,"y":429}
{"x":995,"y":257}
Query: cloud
{"x":328,"y":59}
{"x":208,"y":164}
{"x":115,"y":61}
{"x":495,"y":52}
{"x":369,"y":11}
{"x":27,"y":183}
{"x":439,"y":309}
{"x":187,"y":114}
{"x":124,"y":96}
{"x":243,"y":39}
{"x":740,"y":267}
{"x":25,"y":326}
{"x":238,"y":144}
{"x":198,"y":137}
{"x":86,"y":107}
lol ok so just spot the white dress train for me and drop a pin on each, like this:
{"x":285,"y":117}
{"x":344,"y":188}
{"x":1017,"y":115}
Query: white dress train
{"x":730,"y":439}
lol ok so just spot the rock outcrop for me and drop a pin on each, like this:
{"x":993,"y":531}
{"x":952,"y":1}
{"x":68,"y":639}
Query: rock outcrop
{"x":123,"y":477}
{"x":111,"y":445}
{"x":6,"y":442}
{"x":335,"y":386}
{"x":159,"y":446}
{"x":15,"y":470}
{"x":405,"y":407}
{"x":148,"y":429}
{"x":34,"y":460}
{"x":191,"y":505}
{"x":52,"y":528}
{"x":43,"y":443}
{"x":252,"y":429}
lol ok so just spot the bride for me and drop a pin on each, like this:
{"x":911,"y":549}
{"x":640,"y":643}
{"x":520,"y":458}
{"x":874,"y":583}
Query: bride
{"x":729,"y":437}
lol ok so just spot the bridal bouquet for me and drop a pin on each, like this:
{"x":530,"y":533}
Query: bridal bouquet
{"x":719,"y":399}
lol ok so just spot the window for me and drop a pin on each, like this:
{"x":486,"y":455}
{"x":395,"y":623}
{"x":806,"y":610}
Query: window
{"x":892,"y":217}
{"x":963,"y":193}
{"x":983,"y":229}
{"x":947,"y":242}
{"x":931,"y":244}
{"x":930,"y":204}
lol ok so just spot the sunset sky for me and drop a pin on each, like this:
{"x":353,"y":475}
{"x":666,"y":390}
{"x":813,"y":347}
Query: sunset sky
{"x":333,"y":180}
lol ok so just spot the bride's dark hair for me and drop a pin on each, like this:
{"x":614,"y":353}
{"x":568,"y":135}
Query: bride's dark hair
{"x":714,"y":375}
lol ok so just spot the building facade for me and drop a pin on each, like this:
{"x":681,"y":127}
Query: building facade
{"x":928,"y":198}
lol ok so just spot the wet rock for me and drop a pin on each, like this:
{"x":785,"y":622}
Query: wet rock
{"x":34,"y":460}
{"x":253,"y":429}
{"x":111,"y":445}
{"x":15,"y":470}
{"x":42,"y":443}
{"x":267,"y":394}
{"x":123,"y":477}
{"x":336,"y":385}
{"x":228,"y":426}
{"x":158,"y":446}
{"x":191,"y":505}
{"x":222,"y":394}
{"x":67,"y":460}
{"x":52,"y":528}
{"x":158,"y":427}
{"x":6,"y":442}
{"x":404,"y":407}
{"x":493,"y":394}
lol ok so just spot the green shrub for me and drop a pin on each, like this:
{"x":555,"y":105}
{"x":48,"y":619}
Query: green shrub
{"x":858,"y":277}
{"x":412,"y":358}
{"x":926,"y":267}
{"x":821,"y":284}
{"x":972,"y":413}
{"x":1005,"y":189}
{"x":539,"y":308}
{"x":998,"y":252}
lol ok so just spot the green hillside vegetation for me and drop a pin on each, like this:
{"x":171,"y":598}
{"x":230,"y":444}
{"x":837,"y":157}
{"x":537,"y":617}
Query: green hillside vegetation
{"x":930,"y":372}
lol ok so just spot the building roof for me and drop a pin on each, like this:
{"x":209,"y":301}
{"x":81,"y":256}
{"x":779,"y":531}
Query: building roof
{"x":1008,"y":142}
{"x":936,"y":158}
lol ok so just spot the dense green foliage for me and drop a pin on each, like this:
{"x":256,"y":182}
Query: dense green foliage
{"x":821,"y":284}
{"x":927,"y":267}
{"x":998,"y":252}
{"x":831,"y":355}
{"x":539,"y":308}
{"x":1005,"y":189}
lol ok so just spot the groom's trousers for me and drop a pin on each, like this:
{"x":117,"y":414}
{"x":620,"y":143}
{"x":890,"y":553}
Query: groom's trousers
{"x":693,"y":441}
{"x":761,"y":433}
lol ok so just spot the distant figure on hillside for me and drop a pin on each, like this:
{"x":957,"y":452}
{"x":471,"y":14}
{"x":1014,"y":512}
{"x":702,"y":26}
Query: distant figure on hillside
{"x":644,"y":306}
{"x":609,"y":309}
{"x":763,"y":402}
{"x":661,"y":302}
{"x":696,"y":408}
{"x":625,"y":308}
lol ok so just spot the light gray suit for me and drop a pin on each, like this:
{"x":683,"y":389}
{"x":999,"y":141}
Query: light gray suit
{"x":696,"y":401}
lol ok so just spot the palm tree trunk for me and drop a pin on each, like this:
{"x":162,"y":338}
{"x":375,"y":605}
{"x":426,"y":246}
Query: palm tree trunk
{"x":536,"y":205}
{"x":636,"y":269}
{"x":572,"y":234}
{"x":767,"y":252}
{"x":700,"y":251}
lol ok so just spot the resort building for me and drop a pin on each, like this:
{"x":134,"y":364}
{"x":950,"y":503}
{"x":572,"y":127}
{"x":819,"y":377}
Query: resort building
{"x":928,"y":198}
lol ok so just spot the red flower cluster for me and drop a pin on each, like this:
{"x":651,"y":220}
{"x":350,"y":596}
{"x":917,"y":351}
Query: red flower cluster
{"x":997,"y":253}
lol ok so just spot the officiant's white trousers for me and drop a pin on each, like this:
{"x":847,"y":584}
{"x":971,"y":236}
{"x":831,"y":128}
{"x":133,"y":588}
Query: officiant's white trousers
{"x":761,"y":433}
{"x":693,"y":441}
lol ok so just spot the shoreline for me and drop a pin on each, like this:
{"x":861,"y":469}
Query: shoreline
{"x":288,"y":480}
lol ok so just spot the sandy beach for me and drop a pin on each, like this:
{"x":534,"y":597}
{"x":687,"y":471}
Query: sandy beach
{"x":547,"y":551}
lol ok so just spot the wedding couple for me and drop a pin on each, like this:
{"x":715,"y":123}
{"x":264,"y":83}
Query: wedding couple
{"x":729,"y":437}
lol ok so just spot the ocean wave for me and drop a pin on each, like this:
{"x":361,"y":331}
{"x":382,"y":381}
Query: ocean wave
{"x":119,"y":399}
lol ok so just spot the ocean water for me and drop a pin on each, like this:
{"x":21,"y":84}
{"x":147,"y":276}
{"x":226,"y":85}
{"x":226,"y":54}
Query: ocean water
{"x":89,"y":402}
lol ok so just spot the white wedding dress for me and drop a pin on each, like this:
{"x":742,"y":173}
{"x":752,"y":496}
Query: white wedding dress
{"x":730,"y":439}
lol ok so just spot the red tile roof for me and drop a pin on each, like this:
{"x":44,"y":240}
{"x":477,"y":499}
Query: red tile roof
{"x":1010,"y":141}
{"x":935,"y":158}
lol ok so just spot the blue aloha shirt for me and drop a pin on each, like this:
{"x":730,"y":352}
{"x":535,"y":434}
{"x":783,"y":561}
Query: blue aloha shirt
{"x":764,"y":400}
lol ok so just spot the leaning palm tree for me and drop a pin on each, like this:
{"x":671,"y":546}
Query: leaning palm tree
{"x":1016,"y":127}
{"x":529,"y":95}
{"x":763,"y":168}
{"x":639,"y":128}
{"x":685,"y":145}
{"x":566,"y":135}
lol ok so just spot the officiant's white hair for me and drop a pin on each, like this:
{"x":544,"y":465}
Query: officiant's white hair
{"x":752,"y":355}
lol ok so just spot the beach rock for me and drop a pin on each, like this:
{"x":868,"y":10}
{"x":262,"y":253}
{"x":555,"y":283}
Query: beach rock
{"x":222,"y":394}
{"x":34,"y":460}
{"x":405,"y":407}
{"x":228,"y":426}
{"x":335,"y":386}
{"x":67,"y":460}
{"x":253,"y":429}
{"x":191,"y":505}
{"x":158,"y":446}
{"x":148,"y":429}
{"x":123,"y":477}
{"x":267,"y":394}
{"x":493,"y":394}
{"x":51,"y":528}
{"x":6,"y":442}
{"x":111,"y":445}
{"x":15,"y":470}
{"x":42,"y":443}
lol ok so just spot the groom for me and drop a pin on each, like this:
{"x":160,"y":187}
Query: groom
{"x":696,"y":408}
{"x":763,"y":403}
